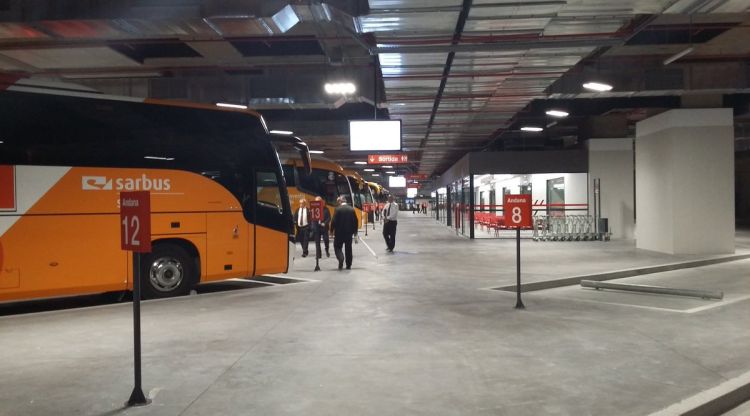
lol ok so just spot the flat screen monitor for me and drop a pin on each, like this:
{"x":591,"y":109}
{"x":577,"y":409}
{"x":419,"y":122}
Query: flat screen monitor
{"x":411,"y":192}
{"x":396,"y":182}
{"x":374,"y":135}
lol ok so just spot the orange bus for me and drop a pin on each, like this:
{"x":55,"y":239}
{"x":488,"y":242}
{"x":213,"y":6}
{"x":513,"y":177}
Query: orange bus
{"x":326,"y":180}
{"x":361,"y":194}
{"x":219,"y":206}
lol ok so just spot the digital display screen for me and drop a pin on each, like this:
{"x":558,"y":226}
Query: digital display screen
{"x":374,"y":135}
{"x":396,"y":182}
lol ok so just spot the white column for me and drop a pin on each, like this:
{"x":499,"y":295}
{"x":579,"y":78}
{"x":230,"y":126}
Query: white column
{"x":685,"y":182}
{"x":611,"y":161}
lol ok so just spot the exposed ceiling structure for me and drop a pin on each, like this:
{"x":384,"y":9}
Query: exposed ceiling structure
{"x":462,"y":75}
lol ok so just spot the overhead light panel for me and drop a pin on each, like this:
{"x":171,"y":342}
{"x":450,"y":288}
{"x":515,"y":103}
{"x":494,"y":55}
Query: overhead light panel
{"x":340,"y":88}
{"x":597,"y":86}
{"x":228,"y":105}
{"x":391,"y":172}
{"x":283,"y":132}
{"x":375,"y":174}
{"x":316,"y":152}
{"x":369,"y":170}
{"x":557,"y":113}
{"x":158,"y":157}
{"x":387,"y":167}
{"x":359,"y":162}
{"x":531,"y":128}
{"x":677,"y":56}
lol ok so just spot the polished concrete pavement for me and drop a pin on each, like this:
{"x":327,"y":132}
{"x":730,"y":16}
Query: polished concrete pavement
{"x":410,"y":333}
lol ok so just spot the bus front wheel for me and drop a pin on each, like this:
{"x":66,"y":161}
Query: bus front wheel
{"x":167,"y":271}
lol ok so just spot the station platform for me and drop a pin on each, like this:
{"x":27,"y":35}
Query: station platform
{"x":416,"y":332}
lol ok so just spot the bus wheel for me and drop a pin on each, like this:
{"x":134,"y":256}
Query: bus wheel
{"x":167,"y":271}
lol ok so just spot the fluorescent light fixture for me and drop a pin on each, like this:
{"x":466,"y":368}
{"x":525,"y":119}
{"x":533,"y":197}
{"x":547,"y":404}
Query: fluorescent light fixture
{"x":228,"y":105}
{"x":158,"y":157}
{"x":391,"y":172}
{"x":396,"y":182}
{"x":531,"y":128}
{"x":597,"y":86}
{"x":677,"y":56}
{"x":316,"y":152}
{"x":387,"y":167}
{"x":375,"y":174}
{"x":374,"y":135}
{"x":340,"y":88}
{"x":369,"y":170}
{"x":557,"y":113}
{"x":284,"y":132}
{"x":1,"y":142}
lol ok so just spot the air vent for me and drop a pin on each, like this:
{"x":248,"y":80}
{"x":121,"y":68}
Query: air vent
{"x":142,"y":51}
{"x":278,"y":47}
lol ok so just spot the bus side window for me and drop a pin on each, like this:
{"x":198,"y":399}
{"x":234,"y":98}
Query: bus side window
{"x":342,"y":187}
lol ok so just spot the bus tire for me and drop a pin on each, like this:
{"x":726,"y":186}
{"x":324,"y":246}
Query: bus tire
{"x":166,"y":272}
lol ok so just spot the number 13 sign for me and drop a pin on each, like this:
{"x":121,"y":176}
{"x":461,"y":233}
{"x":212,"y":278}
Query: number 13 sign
{"x":517,"y":211}
{"x":135,"y":221}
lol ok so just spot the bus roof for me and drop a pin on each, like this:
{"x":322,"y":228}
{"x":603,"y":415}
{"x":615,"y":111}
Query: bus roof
{"x":75,"y":90}
{"x":318,"y":162}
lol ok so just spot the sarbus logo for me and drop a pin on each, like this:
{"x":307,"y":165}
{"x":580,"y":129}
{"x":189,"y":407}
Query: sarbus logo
{"x":144,"y":183}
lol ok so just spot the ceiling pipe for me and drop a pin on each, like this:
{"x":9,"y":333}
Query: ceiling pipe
{"x":542,"y":43}
{"x":466,"y":6}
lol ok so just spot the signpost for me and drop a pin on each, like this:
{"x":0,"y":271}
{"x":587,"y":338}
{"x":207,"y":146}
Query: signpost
{"x":316,"y":215}
{"x":135,"y":236}
{"x":517,"y":213}
{"x":387,"y":159}
{"x":417,"y":176}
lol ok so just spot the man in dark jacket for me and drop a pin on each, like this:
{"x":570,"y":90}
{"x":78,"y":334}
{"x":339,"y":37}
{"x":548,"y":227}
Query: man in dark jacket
{"x":344,"y":226}
{"x":320,"y":230}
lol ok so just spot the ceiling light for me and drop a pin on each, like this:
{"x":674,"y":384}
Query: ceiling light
{"x":316,"y":152}
{"x":360,"y":163}
{"x":340,"y":88}
{"x":387,"y":167}
{"x":531,"y":128}
{"x":227,"y":105}
{"x":1,"y":142}
{"x":284,"y":132}
{"x":597,"y":86}
{"x":677,"y":56}
{"x":557,"y":113}
{"x":369,"y":170}
{"x":158,"y":157}
{"x":391,"y":172}
{"x":375,"y":174}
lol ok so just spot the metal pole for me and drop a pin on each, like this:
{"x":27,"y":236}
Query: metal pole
{"x":703,"y":294}
{"x":471,"y":206}
{"x":137,"y":398}
{"x":519,"y":302}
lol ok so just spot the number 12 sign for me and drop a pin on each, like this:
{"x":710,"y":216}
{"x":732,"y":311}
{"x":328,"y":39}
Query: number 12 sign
{"x":517,"y":211}
{"x":135,"y":221}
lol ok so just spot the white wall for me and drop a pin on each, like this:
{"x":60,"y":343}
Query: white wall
{"x":611,"y":161}
{"x":685,"y":182}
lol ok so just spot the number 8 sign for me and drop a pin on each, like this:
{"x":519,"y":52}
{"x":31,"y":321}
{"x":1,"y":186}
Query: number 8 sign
{"x":517,"y":211}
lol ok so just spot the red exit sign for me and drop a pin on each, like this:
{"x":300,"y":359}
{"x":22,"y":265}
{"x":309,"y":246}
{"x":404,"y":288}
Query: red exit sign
{"x":387,"y":159}
{"x":135,"y":221}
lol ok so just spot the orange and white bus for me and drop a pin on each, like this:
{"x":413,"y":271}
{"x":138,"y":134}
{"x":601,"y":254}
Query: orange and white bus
{"x":219,"y":206}
{"x":326,"y":180}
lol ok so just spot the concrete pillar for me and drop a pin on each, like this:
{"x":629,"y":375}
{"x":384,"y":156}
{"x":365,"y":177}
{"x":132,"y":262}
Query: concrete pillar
{"x":611,"y":161}
{"x":685,"y":182}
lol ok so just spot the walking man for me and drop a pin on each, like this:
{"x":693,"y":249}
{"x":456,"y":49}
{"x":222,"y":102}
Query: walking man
{"x":344,"y":227}
{"x":390,"y":216}
{"x":303,"y":225}
{"x":320,"y":230}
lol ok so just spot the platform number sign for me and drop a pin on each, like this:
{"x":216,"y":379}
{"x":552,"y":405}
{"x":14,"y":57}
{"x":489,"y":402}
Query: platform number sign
{"x":135,"y":221}
{"x":316,"y":210}
{"x":517,"y":211}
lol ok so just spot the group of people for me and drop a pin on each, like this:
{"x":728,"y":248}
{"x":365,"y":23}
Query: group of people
{"x":344,"y":227}
{"x":419,"y":208}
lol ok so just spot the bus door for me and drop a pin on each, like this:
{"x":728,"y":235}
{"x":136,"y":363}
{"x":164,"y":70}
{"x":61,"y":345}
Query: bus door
{"x":229,"y":235}
{"x":272,"y":225}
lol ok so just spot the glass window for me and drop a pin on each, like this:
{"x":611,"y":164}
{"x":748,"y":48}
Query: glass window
{"x":269,"y":205}
{"x":268,"y":190}
{"x":289,"y":175}
{"x":323,"y":183}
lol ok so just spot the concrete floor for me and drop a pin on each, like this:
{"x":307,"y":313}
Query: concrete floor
{"x":407,"y":333}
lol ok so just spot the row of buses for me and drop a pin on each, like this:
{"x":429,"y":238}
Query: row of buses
{"x":222,"y":199}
